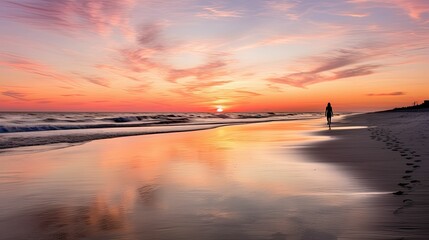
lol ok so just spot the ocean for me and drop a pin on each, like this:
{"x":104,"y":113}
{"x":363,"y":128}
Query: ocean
{"x":41,"y":128}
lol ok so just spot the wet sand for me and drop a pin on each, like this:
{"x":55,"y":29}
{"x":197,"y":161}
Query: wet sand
{"x":390,"y":155}
{"x":285,"y":180}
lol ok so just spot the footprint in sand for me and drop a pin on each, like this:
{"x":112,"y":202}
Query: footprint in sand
{"x":408,"y":171}
{"x":415,"y":181}
{"x":409,"y":164}
{"x":406,"y":177}
{"x":398,"y":193}
{"x":406,"y":203}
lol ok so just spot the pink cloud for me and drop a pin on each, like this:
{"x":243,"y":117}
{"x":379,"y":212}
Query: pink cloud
{"x":214,"y":13}
{"x":98,"y":81}
{"x":200,"y":86}
{"x":23,"y":64}
{"x":214,"y":68}
{"x":149,"y":36}
{"x":140,"y":59}
{"x":71,"y":15}
{"x":305,"y":79}
{"x":284,"y":6}
{"x":291,"y":9}
{"x":354,"y":14}
{"x":414,"y":8}
{"x":200,"y":79}
{"x":118,"y":71}
{"x":278,"y":40}
{"x":335,"y":65}
{"x":150,"y":47}
{"x":363,"y":59}
{"x":355,"y":71}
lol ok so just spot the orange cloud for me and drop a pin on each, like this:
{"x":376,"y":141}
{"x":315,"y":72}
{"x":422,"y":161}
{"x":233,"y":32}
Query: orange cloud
{"x":139,"y":89}
{"x":14,"y":94}
{"x":385,"y":94}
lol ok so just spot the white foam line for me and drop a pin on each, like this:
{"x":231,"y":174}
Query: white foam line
{"x":346,"y":194}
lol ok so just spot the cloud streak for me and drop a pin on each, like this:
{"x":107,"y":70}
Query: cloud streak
{"x":27,"y":65}
{"x":100,"y":16}
{"x":305,"y":79}
{"x":355,"y":15}
{"x":149,"y":36}
{"x":385,"y":94}
{"x":415,"y":9}
{"x":139,"y":89}
{"x":98,"y":81}
{"x":216,"y":13}
{"x":14,"y":94}
{"x":73,"y":95}
{"x":214,"y":68}
{"x":335,"y":65}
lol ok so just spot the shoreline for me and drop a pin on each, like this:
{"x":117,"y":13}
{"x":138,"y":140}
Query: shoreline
{"x":16,"y":140}
{"x":388,"y":156}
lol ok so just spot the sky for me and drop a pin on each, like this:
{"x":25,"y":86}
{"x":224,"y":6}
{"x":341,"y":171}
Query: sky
{"x":197,"y":55}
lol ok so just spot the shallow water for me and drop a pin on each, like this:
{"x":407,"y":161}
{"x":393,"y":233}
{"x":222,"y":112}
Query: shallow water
{"x":237,"y":182}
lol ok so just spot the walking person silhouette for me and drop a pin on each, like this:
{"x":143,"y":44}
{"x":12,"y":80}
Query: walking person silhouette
{"x":329,"y":113}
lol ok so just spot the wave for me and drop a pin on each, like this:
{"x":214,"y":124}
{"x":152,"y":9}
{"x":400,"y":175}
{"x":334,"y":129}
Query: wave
{"x":35,"y":122}
{"x":24,"y":129}
{"x":33,"y":128}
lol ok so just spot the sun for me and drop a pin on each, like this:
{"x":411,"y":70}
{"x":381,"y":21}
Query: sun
{"x":219,"y":109}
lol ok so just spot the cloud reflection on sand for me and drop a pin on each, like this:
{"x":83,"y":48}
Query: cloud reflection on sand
{"x":75,"y":222}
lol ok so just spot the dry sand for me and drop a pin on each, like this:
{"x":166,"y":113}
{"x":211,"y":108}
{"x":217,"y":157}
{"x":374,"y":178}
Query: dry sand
{"x":390,"y":155}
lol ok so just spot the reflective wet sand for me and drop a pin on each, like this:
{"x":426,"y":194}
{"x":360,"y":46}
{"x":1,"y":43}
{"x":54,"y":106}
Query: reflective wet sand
{"x":237,"y":182}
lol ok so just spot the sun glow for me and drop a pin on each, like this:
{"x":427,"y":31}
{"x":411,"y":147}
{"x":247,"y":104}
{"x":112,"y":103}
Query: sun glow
{"x":219,"y":109}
